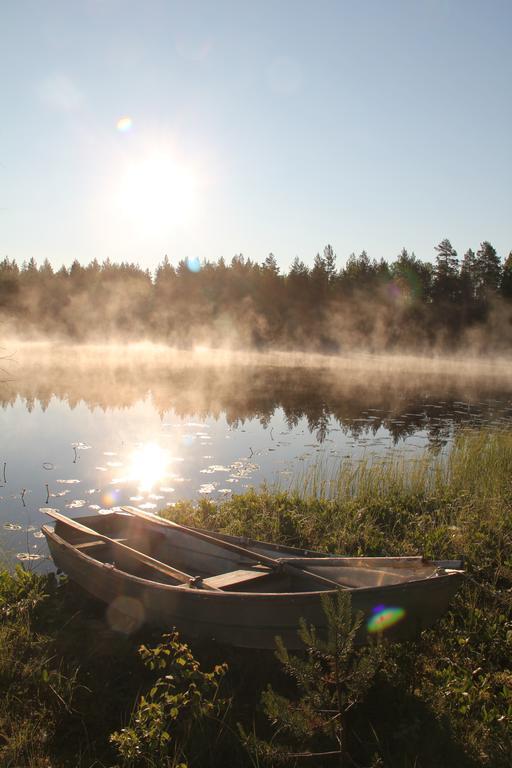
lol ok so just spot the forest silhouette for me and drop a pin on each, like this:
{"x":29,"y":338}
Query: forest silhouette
{"x":367,"y":304}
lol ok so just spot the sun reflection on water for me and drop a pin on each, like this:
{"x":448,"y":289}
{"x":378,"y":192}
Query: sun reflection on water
{"x":149,"y":465}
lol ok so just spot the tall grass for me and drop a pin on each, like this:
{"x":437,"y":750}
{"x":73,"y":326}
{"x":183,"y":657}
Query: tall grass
{"x":67,"y":681}
{"x":478,"y":462}
{"x":438,"y":505}
{"x":458,"y":677}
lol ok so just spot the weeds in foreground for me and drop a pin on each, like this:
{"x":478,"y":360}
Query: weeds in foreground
{"x":441,"y":507}
{"x":67,"y":681}
{"x":35,"y":690}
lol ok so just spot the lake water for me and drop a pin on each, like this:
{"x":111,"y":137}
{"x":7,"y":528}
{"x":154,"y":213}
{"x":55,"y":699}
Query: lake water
{"x":88,"y":429}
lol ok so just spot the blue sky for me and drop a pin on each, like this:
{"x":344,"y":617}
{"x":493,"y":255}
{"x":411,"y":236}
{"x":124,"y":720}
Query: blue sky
{"x":255,"y":126}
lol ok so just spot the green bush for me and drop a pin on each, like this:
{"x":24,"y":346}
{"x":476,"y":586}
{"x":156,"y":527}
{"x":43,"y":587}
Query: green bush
{"x":35,"y":691}
{"x":181,"y":699}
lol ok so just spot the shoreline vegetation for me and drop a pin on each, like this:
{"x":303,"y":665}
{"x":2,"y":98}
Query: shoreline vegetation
{"x":407,"y":304}
{"x":76,"y":694}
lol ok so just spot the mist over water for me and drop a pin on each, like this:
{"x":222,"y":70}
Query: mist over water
{"x":88,"y":428}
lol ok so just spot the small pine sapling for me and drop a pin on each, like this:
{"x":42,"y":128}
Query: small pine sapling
{"x":331,"y":677}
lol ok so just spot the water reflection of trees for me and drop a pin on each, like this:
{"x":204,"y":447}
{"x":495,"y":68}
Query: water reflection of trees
{"x":360,"y":404}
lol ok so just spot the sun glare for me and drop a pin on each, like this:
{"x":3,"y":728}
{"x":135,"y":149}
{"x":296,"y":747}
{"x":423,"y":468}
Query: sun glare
{"x":148,"y":466}
{"x":156,"y":191}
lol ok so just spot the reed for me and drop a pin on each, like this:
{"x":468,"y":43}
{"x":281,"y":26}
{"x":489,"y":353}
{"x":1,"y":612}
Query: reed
{"x":458,"y":678}
{"x":478,"y":461}
{"x":455,"y":502}
{"x":67,"y":682}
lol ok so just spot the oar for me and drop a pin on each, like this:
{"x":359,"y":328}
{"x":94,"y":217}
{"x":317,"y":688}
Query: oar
{"x":151,"y":562}
{"x":276,"y":564}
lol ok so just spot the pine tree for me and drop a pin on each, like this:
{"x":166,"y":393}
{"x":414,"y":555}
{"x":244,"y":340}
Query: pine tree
{"x":270,"y":264}
{"x":446,"y":272}
{"x":506,"y":278}
{"x":330,"y":263}
{"x":488,"y":269}
{"x":469,"y":275}
{"x":9,"y":285}
{"x":46,"y":270}
{"x":412,"y":273}
{"x":319,"y":280}
{"x":297,"y":284}
{"x":298,"y":268}
{"x":332,"y":677}
{"x":319,"y":266}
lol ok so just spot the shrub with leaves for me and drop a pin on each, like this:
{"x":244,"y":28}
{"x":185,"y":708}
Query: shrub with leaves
{"x":35,"y":691}
{"x":183,"y":697}
{"x":331,"y":677}
{"x":20,"y":593}
{"x":466,"y":673}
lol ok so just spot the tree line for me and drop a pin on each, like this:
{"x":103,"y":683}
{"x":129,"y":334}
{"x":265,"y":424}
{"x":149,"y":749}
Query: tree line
{"x":366,"y":304}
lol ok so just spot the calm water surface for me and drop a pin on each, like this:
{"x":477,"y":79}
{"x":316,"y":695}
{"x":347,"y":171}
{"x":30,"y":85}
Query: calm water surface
{"x":85,"y":433}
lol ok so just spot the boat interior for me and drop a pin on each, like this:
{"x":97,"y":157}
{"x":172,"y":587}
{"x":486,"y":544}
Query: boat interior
{"x":144,"y":547}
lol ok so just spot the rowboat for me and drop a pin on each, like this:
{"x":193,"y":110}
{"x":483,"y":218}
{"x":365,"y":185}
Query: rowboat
{"x":236,"y":590}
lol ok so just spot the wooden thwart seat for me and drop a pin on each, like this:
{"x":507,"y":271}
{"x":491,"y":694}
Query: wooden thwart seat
{"x":234,"y":578}
{"x":97,"y":543}
{"x":151,"y":562}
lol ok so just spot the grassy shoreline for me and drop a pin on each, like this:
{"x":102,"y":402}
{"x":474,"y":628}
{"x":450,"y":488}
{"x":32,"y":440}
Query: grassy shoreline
{"x":68,"y":682}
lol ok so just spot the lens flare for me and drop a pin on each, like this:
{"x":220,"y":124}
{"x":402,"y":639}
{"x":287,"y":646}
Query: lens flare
{"x":125,"y":614}
{"x":405,"y":287}
{"x":384,"y":617}
{"x":110,"y":498}
{"x":194,"y":265}
{"x":124,"y":124}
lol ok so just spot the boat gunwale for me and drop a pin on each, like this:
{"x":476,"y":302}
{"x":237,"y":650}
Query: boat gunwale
{"x":313,"y":554}
{"x":206,"y":594}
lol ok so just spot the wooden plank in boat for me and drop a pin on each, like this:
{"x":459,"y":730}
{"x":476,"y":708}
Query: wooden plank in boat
{"x":281,"y":563}
{"x":233,"y":578}
{"x":164,"y":568}
{"x":97,"y":543}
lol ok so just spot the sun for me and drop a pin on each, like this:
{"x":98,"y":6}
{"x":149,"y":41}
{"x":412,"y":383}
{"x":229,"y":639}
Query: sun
{"x":156,"y":191}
